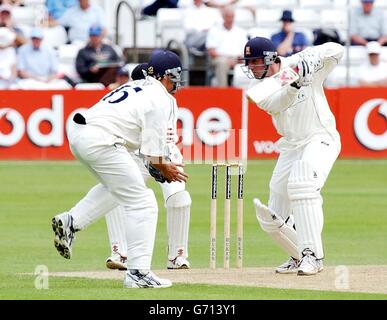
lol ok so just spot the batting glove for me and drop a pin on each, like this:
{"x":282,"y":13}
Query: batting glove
{"x":305,"y":71}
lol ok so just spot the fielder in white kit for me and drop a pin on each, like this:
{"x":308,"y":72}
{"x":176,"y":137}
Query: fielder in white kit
{"x":176,"y":199}
{"x":309,"y":146}
{"x":134,"y":116}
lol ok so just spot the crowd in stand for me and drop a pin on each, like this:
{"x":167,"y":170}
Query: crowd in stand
{"x":27,"y":61}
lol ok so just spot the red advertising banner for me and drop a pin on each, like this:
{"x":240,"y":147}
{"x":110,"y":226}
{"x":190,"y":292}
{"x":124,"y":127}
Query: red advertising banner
{"x":211,"y":123}
{"x":363,"y":122}
{"x":32,"y":123}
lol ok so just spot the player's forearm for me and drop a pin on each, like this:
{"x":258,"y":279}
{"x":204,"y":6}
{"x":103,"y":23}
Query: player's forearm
{"x":155,"y":160}
{"x":279,"y":101}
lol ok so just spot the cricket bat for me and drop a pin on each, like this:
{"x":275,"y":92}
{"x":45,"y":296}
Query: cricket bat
{"x":271,"y":85}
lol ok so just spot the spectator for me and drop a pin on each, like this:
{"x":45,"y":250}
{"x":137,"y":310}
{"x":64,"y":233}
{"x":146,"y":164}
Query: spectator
{"x":80,"y":18}
{"x":56,"y":8}
{"x":220,"y":4}
{"x":97,"y":62}
{"x":15,"y":3}
{"x":122,"y":77}
{"x":374,"y":71}
{"x":367,"y":24}
{"x":287,"y":41}
{"x":6,"y":21}
{"x":225,"y":44}
{"x":198,"y":19}
{"x":37,"y":65}
{"x":151,"y":9}
{"x":7,"y":58}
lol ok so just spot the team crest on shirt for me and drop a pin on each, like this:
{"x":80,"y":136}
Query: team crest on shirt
{"x":247,"y":51}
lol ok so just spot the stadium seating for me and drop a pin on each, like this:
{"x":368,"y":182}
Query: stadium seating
{"x":159,"y":31}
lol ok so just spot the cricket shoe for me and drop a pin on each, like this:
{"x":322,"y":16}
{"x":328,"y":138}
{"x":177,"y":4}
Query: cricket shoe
{"x":62,"y":224}
{"x":309,"y":264}
{"x":179,"y":262}
{"x":135,"y":279}
{"x":290,"y":266}
{"x":116,"y":261}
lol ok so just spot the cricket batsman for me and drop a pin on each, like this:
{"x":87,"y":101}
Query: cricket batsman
{"x":309,"y":146}
{"x":136,"y":116}
{"x":176,"y":199}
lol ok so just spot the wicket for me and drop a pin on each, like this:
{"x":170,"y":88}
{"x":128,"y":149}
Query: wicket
{"x":227,"y":216}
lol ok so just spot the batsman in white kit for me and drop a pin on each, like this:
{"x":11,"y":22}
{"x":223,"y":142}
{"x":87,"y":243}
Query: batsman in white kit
{"x":177,"y":201}
{"x":136,"y":116}
{"x":309,"y":146}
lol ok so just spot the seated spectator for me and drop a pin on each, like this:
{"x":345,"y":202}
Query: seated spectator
{"x":122,"y":77}
{"x":220,"y":4}
{"x":80,"y":18}
{"x":15,"y":3}
{"x":37,"y":65}
{"x":367,"y":24}
{"x":6,"y":21}
{"x":151,"y":9}
{"x":225,"y":44}
{"x":97,"y":62}
{"x":7,"y":58}
{"x":198,"y":19}
{"x":56,"y":8}
{"x":374,"y":71}
{"x":287,"y":41}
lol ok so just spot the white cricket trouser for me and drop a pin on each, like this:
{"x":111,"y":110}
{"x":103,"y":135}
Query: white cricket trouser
{"x":121,"y":183}
{"x":319,"y":155}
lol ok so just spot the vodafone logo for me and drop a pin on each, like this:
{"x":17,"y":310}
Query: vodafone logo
{"x":213,"y":126}
{"x":30,"y":126}
{"x":363,"y":133}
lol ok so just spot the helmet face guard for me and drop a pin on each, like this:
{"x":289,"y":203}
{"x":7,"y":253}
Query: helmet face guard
{"x":174,"y":75}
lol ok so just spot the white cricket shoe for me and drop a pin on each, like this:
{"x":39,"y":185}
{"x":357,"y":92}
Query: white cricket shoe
{"x":135,"y":279}
{"x":290,"y":266}
{"x":179,"y":262}
{"x":116,"y":261}
{"x":62,"y":224}
{"x":309,"y":264}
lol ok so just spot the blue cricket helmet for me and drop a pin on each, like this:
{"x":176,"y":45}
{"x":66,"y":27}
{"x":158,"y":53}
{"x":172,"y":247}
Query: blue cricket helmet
{"x":259,"y":48}
{"x":162,"y":62}
{"x":138,"y":71}
{"x":165,"y":63}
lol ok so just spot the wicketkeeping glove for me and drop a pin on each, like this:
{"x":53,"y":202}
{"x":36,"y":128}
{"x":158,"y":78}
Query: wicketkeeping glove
{"x":155,"y":173}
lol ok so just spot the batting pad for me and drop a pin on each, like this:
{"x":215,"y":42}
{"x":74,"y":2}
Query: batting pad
{"x":178,"y":217}
{"x":284,"y":235}
{"x":115,"y":223}
{"x":307,"y":207}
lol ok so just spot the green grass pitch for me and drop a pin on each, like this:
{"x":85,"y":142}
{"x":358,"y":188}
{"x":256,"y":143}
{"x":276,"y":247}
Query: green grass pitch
{"x":355,"y":202}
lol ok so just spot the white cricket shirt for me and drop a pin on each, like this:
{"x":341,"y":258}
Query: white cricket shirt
{"x":139,"y":112}
{"x":301,"y":114}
